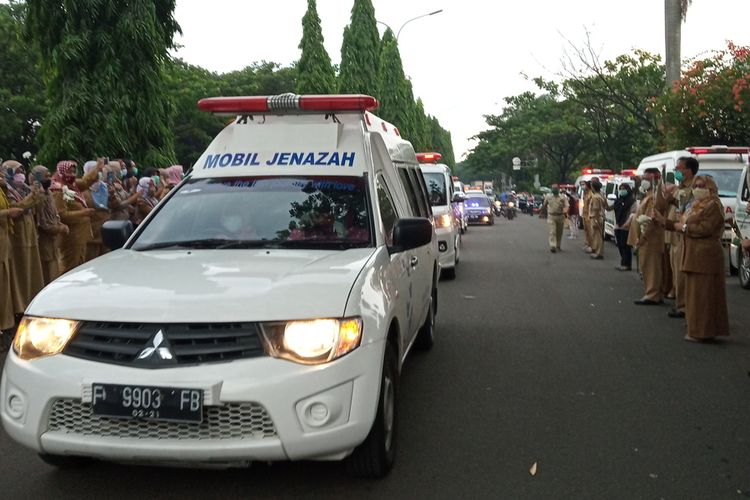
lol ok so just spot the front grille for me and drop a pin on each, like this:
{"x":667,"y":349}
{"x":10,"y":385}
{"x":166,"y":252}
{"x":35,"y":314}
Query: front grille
{"x":185,"y":344}
{"x":228,"y":421}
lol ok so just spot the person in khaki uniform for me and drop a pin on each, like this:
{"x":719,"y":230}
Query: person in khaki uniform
{"x":647,"y":234}
{"x":556,"y":206}
{"x":49,"y":227}
{"x":702,"y":263}
{"x":26,"y":266}
{"x":74,"y":212}
{"x":685,"y":172}
{"x":597,"y":207}
{"x":97,"y":197}
{"x":586,"y":220}
{"x":8,"y":216}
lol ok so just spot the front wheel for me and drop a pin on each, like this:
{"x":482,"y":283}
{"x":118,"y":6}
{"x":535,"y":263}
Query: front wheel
{"x":374,"y":458}
{"x":744,"y":270}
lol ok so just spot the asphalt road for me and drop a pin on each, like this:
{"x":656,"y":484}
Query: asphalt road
{"x":540,"y":359}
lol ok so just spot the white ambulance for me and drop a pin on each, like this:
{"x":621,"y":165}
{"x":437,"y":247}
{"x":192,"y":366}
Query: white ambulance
{"x":440,"y":194}
{"x":262,"y":311}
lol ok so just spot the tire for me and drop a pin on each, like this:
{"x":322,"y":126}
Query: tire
{"x":449,"y":273}
{"x":65,"y":461}
{"x":426,"y":336}
{"x":374,"y":458}
{"x":744,"y":271}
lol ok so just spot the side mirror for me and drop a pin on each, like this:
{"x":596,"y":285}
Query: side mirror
{"x":411,"y":233}
{"x":116,"y":232}
{"x":458,"y":197}
{"x":611,"y":197}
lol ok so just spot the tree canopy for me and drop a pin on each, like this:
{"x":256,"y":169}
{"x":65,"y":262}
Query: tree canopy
{"x":316,"y":74}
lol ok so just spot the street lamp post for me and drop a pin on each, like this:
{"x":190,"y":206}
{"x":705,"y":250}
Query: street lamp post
{"x":410,"y":20}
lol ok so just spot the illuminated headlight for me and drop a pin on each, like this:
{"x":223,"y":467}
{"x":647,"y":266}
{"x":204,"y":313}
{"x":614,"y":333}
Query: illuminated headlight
{"x":510,"y":204}
{"x":497,"y":203}
{"x":39,"y":337}
{"x":444,"y":220}
{"x":313,"y":341}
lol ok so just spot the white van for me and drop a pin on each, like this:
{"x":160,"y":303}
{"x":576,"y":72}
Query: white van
{"x":738,"y":262}
{"x":440,"y":194}
{"x":262,"y":311}
{"x":611,"y":188}
{"x":723,"y":163}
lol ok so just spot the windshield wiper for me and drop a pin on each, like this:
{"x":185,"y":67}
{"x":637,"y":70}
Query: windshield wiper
{"x":250,"y":244}
{"x":200,"y":243}
{"x":328,"y":243}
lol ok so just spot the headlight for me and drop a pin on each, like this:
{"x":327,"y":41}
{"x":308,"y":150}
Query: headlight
{"x":314,"y":341}
{"x":510,"y":204}
{"x":444,"y":220}
{"x":39,"y":337}
{"x":497,"y":203}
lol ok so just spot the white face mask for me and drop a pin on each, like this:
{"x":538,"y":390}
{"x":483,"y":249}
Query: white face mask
{"x":232,"y":222}
{"x":700,"y":193}
{"x":645,"y":185}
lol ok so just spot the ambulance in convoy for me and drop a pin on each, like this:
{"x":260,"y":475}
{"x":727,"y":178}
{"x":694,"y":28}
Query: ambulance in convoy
{"x":262,"y":311}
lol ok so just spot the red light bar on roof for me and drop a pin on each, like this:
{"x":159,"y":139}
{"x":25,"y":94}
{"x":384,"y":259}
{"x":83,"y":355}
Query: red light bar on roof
{"x":428,"y":157}
{"x":587,"y":171}
{"x":702,"y":150}
{"x":288,"y":103}
{"x":628,"y":172}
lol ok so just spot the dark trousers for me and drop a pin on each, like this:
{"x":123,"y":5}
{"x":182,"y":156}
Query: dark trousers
{"x":626,"y":253}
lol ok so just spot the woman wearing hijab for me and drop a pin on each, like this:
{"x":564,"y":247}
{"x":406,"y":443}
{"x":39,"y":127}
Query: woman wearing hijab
{"x":147,"y":200}
{"x":97,"y":197}
{"x":624,"y":208}
{"x":121,"y":202}
{"x":49,"y":227}
{"x":702,"y":261}
{"x":26,"y":266}
{"x":8,"y":216}
{"x":173,"y":176}
{"x":74,"y":212}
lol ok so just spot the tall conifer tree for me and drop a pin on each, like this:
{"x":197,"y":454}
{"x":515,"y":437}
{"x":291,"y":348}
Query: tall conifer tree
{"x":105,"y":62}
{"x":316,"y":74}
{"x":392,"y":90}
{"x":360,"y":51}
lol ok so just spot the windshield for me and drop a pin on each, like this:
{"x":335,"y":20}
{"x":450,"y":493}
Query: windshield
{"x":436,"y":188}
{"x":250,"y":212}
{"x":728,"y":180}
{"x":477,"y":202}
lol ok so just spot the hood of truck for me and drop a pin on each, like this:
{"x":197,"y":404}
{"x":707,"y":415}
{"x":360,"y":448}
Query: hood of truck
{"x":179,"y":286}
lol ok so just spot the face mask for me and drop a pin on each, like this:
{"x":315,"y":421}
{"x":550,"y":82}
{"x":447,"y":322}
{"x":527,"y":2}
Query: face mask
{"x":135,"y":171}
{"x":700,"y":193}
{"x":623,"y":193}
{"x":156,"y":180}
{"x":645,"y":185}
{"x":123,"y":173}
{"x":19,"y":178}
{"x":232,"y":222}
{"x":678,"y":176}
{"x":46,"y":183}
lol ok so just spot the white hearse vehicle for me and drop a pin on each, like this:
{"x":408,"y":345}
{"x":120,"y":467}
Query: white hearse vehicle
{"x":440,"y":194}
{"x":262,"y":311}
{"x":724,"y":164}
{"x":738,"y":260}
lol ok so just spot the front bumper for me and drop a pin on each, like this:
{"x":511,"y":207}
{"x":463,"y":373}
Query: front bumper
{"x":479,"y":218}
{"x":255,"y":409}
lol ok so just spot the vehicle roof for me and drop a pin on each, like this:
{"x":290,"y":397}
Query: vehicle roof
{"x":435,"y":167}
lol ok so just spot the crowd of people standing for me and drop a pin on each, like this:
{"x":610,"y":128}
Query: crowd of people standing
{"x":676,"y":232}
{"x":51,"y":222}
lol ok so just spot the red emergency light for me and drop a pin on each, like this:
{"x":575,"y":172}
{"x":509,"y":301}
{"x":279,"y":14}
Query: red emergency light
{"x":589,"y":171}
{"x":429,"y":157}
{"x":703,"y":150}
{"x":288,"y":103}
{"x":628,"y":172}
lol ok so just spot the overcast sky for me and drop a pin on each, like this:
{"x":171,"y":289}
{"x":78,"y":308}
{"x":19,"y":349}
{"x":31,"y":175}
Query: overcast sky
{"x":463,"y":61}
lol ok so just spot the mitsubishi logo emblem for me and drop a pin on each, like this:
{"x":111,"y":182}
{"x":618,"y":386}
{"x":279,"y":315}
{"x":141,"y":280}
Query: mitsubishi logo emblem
{"x":156,"y":348}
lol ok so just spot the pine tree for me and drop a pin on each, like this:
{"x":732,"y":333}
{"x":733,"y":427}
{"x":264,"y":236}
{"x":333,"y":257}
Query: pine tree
{"x":106,"y":61}
{"x":360,"y":51}
{"x":392,"y":90}
{"x":315,"y":73}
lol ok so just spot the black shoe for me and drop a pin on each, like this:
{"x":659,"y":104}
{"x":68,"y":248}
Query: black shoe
{"x":553,"y":250}
{"x":676,"y":313}
{"x":559,"y":249}
{"x":647,"y":302}
{"x":597,"y":257}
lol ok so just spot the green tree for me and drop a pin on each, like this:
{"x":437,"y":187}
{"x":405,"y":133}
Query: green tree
{"x":316,"y":74}
{"x":709,"y":104}
{"x":21,"y":86}
{"x":360,"y":52}
{"x":105,"y":61}
{"x":393,"y":92}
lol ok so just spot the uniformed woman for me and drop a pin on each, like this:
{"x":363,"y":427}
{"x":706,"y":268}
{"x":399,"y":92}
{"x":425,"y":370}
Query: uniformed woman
{"x":8,"y":216}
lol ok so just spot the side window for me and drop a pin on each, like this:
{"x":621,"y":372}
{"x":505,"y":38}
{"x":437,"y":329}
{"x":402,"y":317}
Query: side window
{"x":411,"y":194}
{"x":610,"y":188}
{"x":670,"y":178}
{"x":421,"y":190}
{"x":387,"y":210}
{"x":745,"y":191}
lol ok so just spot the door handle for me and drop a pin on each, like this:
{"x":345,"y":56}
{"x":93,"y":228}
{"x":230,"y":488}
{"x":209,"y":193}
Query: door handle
{"x":414,"y":261}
